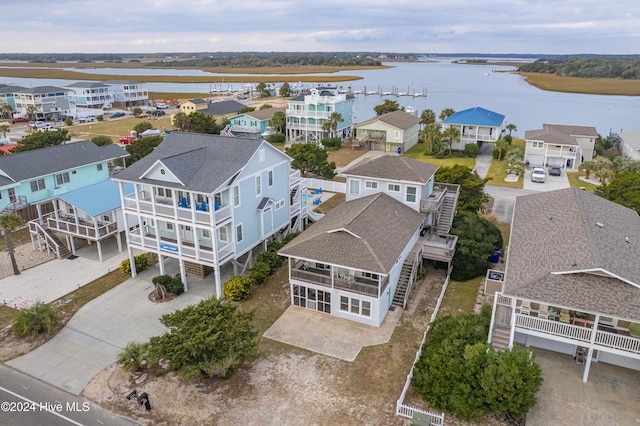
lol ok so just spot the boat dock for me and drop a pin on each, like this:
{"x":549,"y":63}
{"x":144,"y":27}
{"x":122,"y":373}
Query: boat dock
{"x":395,"y":91}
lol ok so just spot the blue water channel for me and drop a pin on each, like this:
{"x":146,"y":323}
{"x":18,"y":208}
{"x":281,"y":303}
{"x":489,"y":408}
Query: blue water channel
{"x":447,"y":85}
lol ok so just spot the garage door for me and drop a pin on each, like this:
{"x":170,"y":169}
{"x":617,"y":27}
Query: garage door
{"x":535,"y":160}
{"x":556,"y":161}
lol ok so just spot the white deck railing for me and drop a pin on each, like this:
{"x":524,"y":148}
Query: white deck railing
{"x":618,"y":341}
{"x":555,"y":328}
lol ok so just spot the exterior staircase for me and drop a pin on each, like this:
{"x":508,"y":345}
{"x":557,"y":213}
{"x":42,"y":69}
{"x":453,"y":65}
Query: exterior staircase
{"x":404,"y":282}
{"x":292,"y":196}
{"x":500,"y":338}
{"x":449,"y":205}
{"x":14,"y":206}
{"x":50,"y":239}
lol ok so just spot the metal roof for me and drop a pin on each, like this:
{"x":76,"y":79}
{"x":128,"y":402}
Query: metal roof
{"x":476,"y":116}
{"x":96,"y":199}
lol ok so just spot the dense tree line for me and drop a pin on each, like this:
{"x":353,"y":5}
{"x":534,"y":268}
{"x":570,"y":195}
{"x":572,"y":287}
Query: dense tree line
{"x":262,"y":61}
{"x":596,"y":67}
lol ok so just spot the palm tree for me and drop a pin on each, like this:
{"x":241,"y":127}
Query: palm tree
{"x":501,"y":146}
{"x":9,"y":223}
{"x":278,"y":121}
{"x":430,"y":133}
{"x":439,"y":143}
{"x":512,"y":128}
{"x":602,"y":163}
{"x":31,"y":111}
{"x":587,"y":167}
{"x":446,"y":113}
{"x":427,"y":117}
{"x":605,"y":175}
{"x":515,"y":159}
{"x":452,"y":133}
{"x":6,"y":110}
{"x":331,"y":125}
{"x":5,"y":128}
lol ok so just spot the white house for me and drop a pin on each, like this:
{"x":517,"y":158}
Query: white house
{"x":475,"y":125}
{"x":630,"y":144}
{"x":48,"y":102}
{"x":204,"y":200}
{"x":349,"y":263}
{"x":128,"y":93}
{"x":572,"y":280}
{"x":92,"y":94}
{"x":562,"y":145}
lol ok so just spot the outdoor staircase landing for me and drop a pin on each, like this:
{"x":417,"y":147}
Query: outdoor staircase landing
{"x":447,"y":213}
{"x":64,"y":251}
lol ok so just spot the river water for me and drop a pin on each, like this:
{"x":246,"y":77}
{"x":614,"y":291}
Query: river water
{"x":447,"y":85}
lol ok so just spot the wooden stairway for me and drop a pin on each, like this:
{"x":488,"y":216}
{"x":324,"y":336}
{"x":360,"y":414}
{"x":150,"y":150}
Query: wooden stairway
{"x":404,"y":281}
{"x":64,"y":251}
{"x":500,"y":338}
{"x":447,"y":213}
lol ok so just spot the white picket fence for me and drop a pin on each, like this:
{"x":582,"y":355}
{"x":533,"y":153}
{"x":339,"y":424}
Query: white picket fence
{"x":407,"y":410}
{"x":326,"y":185}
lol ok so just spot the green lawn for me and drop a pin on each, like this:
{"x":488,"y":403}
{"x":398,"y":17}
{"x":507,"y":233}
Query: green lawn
{"x":498,"y":171}
{"x":575,"y":182}
{"x":116,"y":128}
{"x":417,"y":153}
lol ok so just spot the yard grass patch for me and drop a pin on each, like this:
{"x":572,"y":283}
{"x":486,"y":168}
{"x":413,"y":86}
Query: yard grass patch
{"x":116,"y":128}
{"x":575,"y":182}
{"x":498,"y":171}
{"x":417,"y":153}
{"x":460,"y":297}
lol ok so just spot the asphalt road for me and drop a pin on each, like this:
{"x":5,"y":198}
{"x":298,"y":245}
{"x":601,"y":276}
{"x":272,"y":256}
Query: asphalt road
{"x":25,"y":401}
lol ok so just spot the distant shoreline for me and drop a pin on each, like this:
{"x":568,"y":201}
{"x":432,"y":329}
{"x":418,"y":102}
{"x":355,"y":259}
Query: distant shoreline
{"x":587,"y":86}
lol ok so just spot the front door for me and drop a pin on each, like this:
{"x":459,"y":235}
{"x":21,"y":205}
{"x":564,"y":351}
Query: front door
{"x":12,"y":195}
{"x":187,"y":234}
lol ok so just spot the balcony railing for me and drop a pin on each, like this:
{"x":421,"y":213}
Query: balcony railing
{"x":322,"y":277}
{"x":167,"y":208}
{"x":244,"y":129}
{"x":306,"y":113}
{"x":82,"y":228}
{"x":202,"y":253}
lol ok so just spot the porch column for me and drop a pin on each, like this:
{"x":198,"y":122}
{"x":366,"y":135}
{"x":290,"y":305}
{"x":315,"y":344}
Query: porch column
{"x":99,"y":251}
{"x":40,"y":219}
{"x":119,"y":241}
{"x":132,"y":262}
{"x":161,"y":264}
{"x":592,"y":341}
{"x":218,"y":279}
{"x":183,"y":274}
{"x":512,"y":325}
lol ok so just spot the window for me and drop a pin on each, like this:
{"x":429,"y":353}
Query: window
{"x":537,"y":144}
{"x":99,"y":167}
{"x":354,"y":187}
{"x":279,"y":204}
{"x":169,"y":226}
{"x":371,"y":184}
{"x":206,"y":233}
{"x":236,"y":196}
{"x":62,"y":178}
{"x":163,"y":192}
{"x":239,"y":233}
{"x":270,"y":178}
{"x":37,"y":185}
{"x":411,"y":194}
{"x":394,"y":187}
{"x":258,"y":186}
{"x":223,"y":235}
{"x":355,"y":306}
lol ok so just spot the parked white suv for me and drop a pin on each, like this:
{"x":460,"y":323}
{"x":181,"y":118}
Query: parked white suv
{"x":538,"y":175}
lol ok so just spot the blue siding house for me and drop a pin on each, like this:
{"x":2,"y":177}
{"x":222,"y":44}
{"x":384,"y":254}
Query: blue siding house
{"x":252,"y":124}
{"x":205,"y":200}
{"x":34,"y":178}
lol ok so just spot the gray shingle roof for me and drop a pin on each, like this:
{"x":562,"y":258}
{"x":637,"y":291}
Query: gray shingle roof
{"x":394,"y":167}
{"x":399,"y":119}
{"x":42,"y":89}
{"x":87,"y":84}
{"x":572,"y":231}
{"x":264,"y":114}
{"x":560,"y":134}
{"x":202,"y":162}
{"x":10,"y":89}
{"x":368,"y":233}
{"x":44,"y":161}
{"x":223,"y":107}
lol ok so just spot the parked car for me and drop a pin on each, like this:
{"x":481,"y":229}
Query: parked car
{"x":158,"y":113}
{"x":538,"y":175}
{"x":555,"y":170}
{"x":38,"y":125}
{"x":117,"y":115}
{"x":45,"y":127}
{"x":161,"y":105}
{"x":18,"y":120}
{"x":86,"y":119}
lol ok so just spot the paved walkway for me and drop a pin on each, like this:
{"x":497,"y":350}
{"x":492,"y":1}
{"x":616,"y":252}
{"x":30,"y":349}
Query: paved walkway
{"x":101,"y":329}
{"x":484,"y":159}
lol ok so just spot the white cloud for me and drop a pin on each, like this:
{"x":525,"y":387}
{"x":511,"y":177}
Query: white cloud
{"x":491,"y":26}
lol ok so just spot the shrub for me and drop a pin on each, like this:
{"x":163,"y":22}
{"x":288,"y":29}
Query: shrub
{"x":172,"y":284}
{"x":37,"y":319}
{"x":133,"y":356}
{"x":495,"y":153}
{"x":427,"y":152}
{"x":142,"y":263}
{"x":277,"y":138}
{"x":260,"y":272}
{"x":238,"y":288}
{"x":101,"y":140}
{"x":142,"y":127}
{"x":471,"y":150}
{"x":332,"y":143}
{"x":100,"y":117}
{"x":478,"y":240}
{"x":68,"y":121}
{"x":271,"y":258}
{"x":508,"y":138}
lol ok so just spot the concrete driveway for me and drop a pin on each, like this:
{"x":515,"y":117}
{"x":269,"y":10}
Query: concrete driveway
{"x":101,"y":329}
{"x":552,"y":182}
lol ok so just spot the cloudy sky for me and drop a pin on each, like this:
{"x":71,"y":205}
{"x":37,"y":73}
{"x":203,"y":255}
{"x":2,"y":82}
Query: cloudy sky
{"x":429,"y":26}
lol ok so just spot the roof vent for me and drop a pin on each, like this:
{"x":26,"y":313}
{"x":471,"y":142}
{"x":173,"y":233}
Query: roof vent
{"x":626,"y":239}
{"x":600,"y":224}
